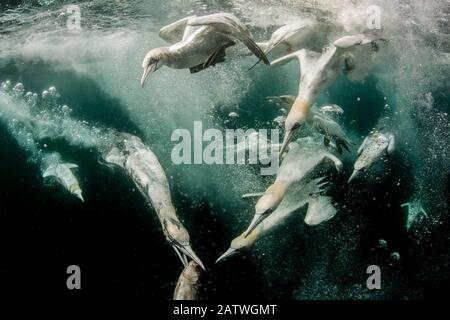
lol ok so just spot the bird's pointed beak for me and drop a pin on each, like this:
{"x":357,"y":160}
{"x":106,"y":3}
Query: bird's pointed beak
{"x":353,"y":176}
{"x":147,"y":72}
{"x":257,"y":219}
{"x":180,"y":255}
{"x":79,"y":196}
{"x":287,"y":139}
{"x":187,"y":250}
{"x":230,"y":252}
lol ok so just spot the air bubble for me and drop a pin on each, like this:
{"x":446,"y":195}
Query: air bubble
{"x":18,"y":89}
{"x":382,"y":243}
{"x":6,"y":85}
{"x":233,"y":115}
{"x":395,"y":256}
{"x":45,"y":94}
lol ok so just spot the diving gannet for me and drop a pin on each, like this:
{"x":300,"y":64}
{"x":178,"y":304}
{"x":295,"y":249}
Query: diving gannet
{"x":304,"y":157}
{"x":320,"y":209}
{"x":318,"y":119}
{"x":62,"y":172}
{"x":202,"y":45}
{"x":187,"y":285}
{"x":373,"y":148}
{"x":318,"y":72}
{"x":413,"y":212}
{"x":147,"y":173}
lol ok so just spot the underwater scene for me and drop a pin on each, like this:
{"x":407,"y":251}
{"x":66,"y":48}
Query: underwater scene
{"x":225,"y":149}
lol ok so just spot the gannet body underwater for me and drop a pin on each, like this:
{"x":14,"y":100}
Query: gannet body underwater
{"x":318,"y":119}
{"x":143,"y":167}
{"x":317,"y":73}
{"x":188,"y":282}
{"x":413,"y":213}
{"x":320,"y":209}
{"x":373,"y":148}
{"x":64,"y":175}
{"x":198,"y":43}
{"x":303,"y":34}
{"x":304,"y":157}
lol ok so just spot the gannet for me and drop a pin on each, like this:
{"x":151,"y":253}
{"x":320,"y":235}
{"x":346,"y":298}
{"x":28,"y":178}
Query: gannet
{"x":187,"y":285}
{"x":373,"y":148}
{"x":62,"y":172}
{"x":318,"y":119}
{"x":320,"y":209}
{"x":304,"y":157}
{"x":143,"y":167}
{"x":413,"y":212}
{"x":203,"y":43}
{"x":318,"y":72}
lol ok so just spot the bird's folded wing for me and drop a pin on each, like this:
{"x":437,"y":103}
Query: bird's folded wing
{"x":173,"y":32}
{"x":230,"y":25}
{"x":224,"y":22}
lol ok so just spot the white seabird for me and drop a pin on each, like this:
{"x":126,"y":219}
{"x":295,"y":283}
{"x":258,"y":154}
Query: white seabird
{"x":319,"y":120}
{"x":374,"y":147}
{"x":304,"y":157}
{"x":62,"y":172}
{"x":199,"y":42}
{"x":188,"y":282}
{"x":318,"y":72}
{"x":143,"y":167}
{"x":320,"y":209}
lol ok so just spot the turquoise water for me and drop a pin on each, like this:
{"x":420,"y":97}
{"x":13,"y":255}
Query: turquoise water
{"x":115,"y":236}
